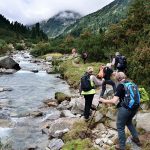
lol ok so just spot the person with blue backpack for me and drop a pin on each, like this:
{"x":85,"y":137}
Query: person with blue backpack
{"x":127,"y":100}
{"x":87,"y":89}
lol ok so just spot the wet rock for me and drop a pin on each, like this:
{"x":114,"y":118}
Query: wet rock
{"x":36,"y":113}
{"x":5,"y":123}
{"x":8,"y":63}
{"x":56,"y":144}
{"x":34,"y":70}
{"x":32,"y":147}
{"x":52,"y":104}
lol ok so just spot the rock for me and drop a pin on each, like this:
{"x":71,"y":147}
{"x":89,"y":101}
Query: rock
{"x":98,"y":116}
{"x":112,"y":113}
{"x":32,"y":147}
{"x":56,"y":144}
{"x":143,"y":121}
{"x":64,"y":105}
{"x":52,"y":104}
{"x":67,"y":113}
{"x":77,"y":105}
{"x":61,"y":124}
{"x":101,"y":127}
{"x":5,"y":123}
{"x":112,"y":124}
{"x":60,"y":133}
{"x":53,"y":116}
{"x":61,"y":97}
{"x":36,"y":113}
{"x":34,"y":70}
{"x":8,"y":63}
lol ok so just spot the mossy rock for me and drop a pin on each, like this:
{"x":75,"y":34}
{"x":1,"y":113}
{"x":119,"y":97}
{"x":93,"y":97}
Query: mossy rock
{"x":61,"y":97}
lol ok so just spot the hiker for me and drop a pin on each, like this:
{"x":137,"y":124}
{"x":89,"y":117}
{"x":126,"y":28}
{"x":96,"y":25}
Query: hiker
{"x":127,"y":108}
{"x":119,"y":62}
{"x":74,"y":52}
{"x":87,"y":89}
{"x":108,"y":72}
{"x":84,"y":56}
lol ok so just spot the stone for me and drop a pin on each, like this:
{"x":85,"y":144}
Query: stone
{"x":55,"y":144}
{"x":143,"y":121}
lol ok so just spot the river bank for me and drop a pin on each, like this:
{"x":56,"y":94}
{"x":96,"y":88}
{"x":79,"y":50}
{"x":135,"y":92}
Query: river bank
{"x":42,"y":122}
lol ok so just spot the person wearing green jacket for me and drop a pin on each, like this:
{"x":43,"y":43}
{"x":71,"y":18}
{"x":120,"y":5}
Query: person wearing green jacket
{"x":89,"y":93}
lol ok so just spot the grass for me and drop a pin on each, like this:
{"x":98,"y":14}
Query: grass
{"x":72,"y":72}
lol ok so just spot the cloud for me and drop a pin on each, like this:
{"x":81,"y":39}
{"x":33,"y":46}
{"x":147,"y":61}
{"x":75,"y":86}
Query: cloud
{"x":31,"y":11}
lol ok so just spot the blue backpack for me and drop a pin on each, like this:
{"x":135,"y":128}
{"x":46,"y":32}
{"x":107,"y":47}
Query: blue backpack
{"x":132,"y":96}
{"x":86,"y":83}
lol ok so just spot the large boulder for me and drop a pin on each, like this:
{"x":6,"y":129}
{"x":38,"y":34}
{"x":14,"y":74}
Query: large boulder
{"x":143,"y":121}
{"x":8,"y":63}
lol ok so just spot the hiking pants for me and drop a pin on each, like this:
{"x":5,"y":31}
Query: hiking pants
{"x":88,"y":104}
{"x":124,"y":118}
{"x":110,"y":82}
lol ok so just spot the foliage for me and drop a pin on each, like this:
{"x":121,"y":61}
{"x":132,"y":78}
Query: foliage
{"x":144,"y":95}
{"x":72,"y":72}
{"x":79,"y":144}
{"x":12,"y":32}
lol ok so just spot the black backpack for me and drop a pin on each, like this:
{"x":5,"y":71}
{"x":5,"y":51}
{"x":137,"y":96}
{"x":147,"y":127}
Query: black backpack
{"x":132,"y":96}
{"x":122,"y":62}
{"x":86,"y":83}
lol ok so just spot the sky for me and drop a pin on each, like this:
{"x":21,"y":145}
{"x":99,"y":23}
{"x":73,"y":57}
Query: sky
{"x":32,"y":11}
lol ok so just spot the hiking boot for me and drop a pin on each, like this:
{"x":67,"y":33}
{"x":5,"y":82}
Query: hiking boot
{"x":136,"y":141}
{"x":117,"y":147}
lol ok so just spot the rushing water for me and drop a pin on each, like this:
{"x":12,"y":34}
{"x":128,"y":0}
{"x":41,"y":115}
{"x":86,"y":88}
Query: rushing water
{"x":28,"y":92}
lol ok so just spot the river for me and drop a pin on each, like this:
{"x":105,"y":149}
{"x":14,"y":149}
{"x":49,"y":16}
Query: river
{"x":28,"y":92}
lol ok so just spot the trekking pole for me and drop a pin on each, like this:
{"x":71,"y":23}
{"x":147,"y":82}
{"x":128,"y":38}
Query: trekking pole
{"x":92,"y":117}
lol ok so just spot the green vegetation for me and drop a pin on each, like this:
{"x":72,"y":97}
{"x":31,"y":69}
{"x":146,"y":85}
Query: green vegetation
{"x":130,"y":36}
{"x":144,"y":95}
{"x":72,"y":72}
{"x":15,"y":32}
{"x":79,"y":144}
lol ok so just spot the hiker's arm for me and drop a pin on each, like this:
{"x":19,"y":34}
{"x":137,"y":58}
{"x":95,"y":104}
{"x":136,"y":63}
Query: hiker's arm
{"x":114,"y":100}
{"x":96,"y":80}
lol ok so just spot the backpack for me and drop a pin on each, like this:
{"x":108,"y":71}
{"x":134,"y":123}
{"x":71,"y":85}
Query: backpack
{"x":86,"y":82}
{"x":101,"y":73}
{"x":122,"y":62}
{"x":132,"y":96}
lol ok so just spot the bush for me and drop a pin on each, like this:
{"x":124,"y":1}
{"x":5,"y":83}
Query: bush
{"x":20,"y":46}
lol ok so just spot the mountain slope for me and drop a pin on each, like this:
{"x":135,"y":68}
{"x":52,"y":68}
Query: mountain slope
{"x":101,"y":19}
{"x":57,"y":24}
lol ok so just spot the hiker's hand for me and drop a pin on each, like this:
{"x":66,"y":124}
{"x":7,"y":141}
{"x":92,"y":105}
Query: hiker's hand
{"x":101,"y":100}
